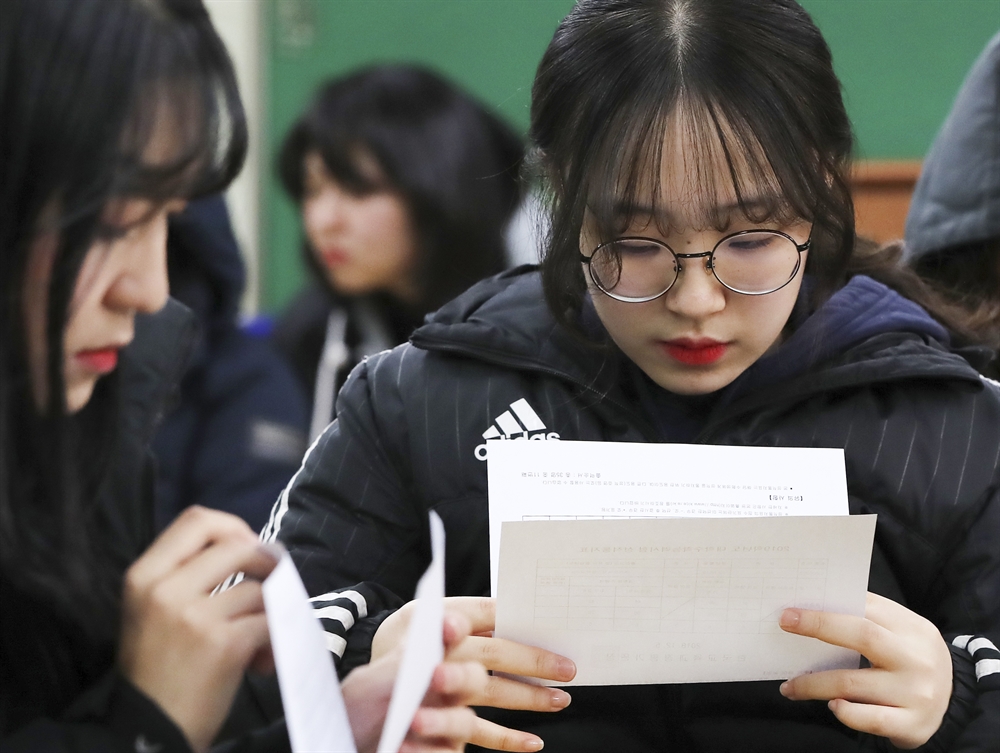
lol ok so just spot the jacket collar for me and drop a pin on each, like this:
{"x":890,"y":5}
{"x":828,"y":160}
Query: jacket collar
{"x":153,"y":365}
{"x":505,"y":320}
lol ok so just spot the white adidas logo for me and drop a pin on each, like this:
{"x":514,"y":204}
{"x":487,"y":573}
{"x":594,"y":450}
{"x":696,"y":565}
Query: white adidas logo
{"x":520,"y":422}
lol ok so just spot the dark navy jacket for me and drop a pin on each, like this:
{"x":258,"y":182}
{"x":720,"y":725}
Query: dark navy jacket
{"x":237,"y":432}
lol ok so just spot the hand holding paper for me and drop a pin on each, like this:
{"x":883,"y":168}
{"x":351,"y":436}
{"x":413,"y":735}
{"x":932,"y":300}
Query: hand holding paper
{"x":903,"y":695}
{"x":443,"y":722}
{"x":320,"y":718}
{"x":501,"y":657}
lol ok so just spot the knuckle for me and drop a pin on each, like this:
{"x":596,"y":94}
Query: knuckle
{"x":132,"y":584}
{"x":195,"y":514}
{"x":191,"y":619}
{"x":923,"y":692}
{"x":544,"y":664}
{"x":456,"y":723}
{"x":869,"y":634}
{"x":475,"y":677}
{"x":483,"y":610}
{"x":160,"y":598}
{"x":494,"y":692}
{"x":490,"y":653}
{"x":849,"y":684}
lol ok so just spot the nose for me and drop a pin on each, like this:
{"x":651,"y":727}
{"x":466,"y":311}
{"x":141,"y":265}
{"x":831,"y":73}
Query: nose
{"x":142,"y":284}
{"x":326,"y":210}
{"x":696,"y":293}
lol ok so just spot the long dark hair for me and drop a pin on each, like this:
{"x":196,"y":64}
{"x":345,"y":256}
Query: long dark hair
{"x":968,"y":275}
{"x":752,"y":78}
{"x":455,"y":165}
{"x":84,"y":85}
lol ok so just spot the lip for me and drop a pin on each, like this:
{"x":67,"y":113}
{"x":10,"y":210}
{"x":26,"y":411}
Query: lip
{"x":99,"y":360}
{"x":692,"y":351}
{"x":334,"y":256}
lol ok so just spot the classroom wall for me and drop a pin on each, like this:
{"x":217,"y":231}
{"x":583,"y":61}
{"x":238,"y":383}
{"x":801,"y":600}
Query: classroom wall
{"x":901,"y":63}
{"x":239,"y":25}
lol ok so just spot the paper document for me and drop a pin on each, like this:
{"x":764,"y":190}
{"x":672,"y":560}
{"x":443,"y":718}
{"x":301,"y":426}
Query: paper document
{"x":681,"y":600}
{"x":424,"y":649}
{"x":610,"y":480}
{"x":314,"y":707}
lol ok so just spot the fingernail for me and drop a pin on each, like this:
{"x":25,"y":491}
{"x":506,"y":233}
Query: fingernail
{"x":560,"y":699}
{"x":566,"y":669}
{"x":784,"y":688}
{"x":535,"y":744}
{"x":789,"y":618}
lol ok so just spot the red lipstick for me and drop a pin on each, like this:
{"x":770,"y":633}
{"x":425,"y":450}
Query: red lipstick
{"x":101,"y":361}
{"x":334,"y":257}
{"x":695,"y":352}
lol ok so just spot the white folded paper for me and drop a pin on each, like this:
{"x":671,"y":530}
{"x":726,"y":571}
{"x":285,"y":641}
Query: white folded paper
{"x":681,"y":600}
{"x":621,"y":480}
{"x":424,"y":649}
{"x":310,"y":693}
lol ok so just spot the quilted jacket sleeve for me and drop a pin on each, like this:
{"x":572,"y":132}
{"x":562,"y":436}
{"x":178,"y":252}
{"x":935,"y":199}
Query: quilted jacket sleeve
{"x":348,"y":516}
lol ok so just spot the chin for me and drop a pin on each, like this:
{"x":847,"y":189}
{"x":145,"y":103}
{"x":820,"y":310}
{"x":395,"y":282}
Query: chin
{"x":78,"y":395}
{"x":347,"y":285}
{"x":695,"y":383}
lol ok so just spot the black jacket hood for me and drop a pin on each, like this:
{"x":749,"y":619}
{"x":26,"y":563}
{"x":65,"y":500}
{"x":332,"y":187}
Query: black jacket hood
{"x":206,"y":269}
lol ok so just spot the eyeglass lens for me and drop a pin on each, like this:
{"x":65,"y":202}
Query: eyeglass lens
{"x":754,"y":263}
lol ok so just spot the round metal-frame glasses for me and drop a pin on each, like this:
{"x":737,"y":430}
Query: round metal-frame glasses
{"x":749,"y":262}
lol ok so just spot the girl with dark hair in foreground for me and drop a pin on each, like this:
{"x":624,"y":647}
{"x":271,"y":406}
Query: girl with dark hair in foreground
{"x":406,"y":186}
{"x":112,"y":114}
{"x":702,"y":283}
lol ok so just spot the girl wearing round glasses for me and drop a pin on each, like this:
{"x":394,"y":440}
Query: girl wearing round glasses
{"x":702,"y":283}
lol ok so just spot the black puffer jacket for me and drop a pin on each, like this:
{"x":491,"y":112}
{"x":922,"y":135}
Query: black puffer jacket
{"x":921,"y":434}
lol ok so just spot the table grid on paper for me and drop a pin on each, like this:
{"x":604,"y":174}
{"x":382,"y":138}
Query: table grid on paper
{"x":697,"y":595}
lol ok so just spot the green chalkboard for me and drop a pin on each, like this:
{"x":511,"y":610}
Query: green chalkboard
{"x":901,"y":62}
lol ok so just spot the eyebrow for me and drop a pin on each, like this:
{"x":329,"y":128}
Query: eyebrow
{"x":624,"y":209}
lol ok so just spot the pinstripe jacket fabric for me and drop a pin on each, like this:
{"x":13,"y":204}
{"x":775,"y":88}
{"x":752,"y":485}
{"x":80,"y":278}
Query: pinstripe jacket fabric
{"x":920,"y":429}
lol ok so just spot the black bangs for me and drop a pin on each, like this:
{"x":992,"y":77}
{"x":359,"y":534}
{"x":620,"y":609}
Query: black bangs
{"x":728,"y":177}
{"x":737,"y":96}
{"x":340,"y":152}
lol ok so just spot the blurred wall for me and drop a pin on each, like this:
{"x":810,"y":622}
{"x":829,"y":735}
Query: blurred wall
{"x":901,"y":62}
{"x":239,"y":25}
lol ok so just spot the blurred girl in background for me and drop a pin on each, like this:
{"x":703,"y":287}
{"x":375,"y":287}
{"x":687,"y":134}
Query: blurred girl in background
{"x":405,"y":186}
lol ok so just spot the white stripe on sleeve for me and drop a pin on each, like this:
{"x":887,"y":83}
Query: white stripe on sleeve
{"x":341,"y":615}
{"x":979,"y":643}
{"x":986,"y":667}
{"x":358,"y":600}
{"x":335,"y":644}
{"x":961,"y":641}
